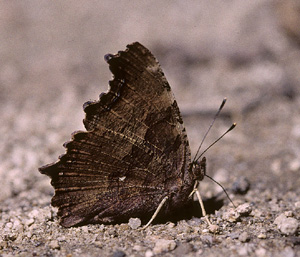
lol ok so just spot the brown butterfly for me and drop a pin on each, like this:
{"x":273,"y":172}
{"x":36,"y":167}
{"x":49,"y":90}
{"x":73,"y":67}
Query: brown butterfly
{"x":134,"y":156}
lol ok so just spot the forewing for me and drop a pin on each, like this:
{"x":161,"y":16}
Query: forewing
{"x":134,"y":146}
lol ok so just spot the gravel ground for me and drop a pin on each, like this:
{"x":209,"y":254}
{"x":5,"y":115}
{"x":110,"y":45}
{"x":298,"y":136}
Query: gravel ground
{"x":249,"y":51}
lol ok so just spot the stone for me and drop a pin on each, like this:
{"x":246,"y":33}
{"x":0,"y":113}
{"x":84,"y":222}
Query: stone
{"x":134,"y":223}
{"x":164,"y":245}
{"x":244,"y":209}
{"x":244,"y":237}
{"x":287,"y":226}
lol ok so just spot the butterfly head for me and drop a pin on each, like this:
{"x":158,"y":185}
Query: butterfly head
{"x":199,"y":169}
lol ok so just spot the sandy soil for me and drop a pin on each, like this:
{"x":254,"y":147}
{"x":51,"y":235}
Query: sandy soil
{"x":52,"y":62}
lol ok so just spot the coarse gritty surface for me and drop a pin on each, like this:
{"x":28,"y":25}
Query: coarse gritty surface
{"x":52,"y":62}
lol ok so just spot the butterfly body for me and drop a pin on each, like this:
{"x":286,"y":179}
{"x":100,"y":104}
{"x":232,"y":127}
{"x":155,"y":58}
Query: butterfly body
{"x":133,"y":153}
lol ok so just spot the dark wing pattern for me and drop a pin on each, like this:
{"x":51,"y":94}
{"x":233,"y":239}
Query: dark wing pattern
{"x":134,"y":152}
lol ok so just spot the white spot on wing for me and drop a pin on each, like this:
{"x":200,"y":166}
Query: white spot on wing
{"x":122,"y":179}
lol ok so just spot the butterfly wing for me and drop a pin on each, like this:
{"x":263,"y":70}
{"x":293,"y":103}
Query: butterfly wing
{"x":134,"y":152}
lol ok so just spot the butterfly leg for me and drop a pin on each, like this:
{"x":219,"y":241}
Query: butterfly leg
{"x":212,"y":228}
{"x":157,"y":211}
{"x":202,"y":206}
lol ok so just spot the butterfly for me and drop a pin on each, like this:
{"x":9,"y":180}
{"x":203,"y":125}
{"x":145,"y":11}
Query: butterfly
{"x":134,"y":157}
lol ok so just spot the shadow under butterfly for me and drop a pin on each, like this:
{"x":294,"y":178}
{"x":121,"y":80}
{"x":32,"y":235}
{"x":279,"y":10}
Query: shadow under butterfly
{"x":134,"y":159}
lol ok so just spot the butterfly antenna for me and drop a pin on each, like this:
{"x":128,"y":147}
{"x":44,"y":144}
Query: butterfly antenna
{"x":228,"y":130}
{"x":216,"y":115}
{"x":222,"y":188}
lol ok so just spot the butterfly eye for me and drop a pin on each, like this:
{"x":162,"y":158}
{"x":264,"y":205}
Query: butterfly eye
{"x":199,"y":169}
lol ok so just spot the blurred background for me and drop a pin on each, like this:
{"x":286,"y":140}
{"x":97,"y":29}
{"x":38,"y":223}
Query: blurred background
{"x":51,"y":56}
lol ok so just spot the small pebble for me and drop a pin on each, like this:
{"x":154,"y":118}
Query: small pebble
{"x":244,"y":237}
{"x":171,"y":225}
{"x":9,"y":225}
{"x":124,"y":227}
{"x":12,"y":236}
{"x":29,"y":222}
{"x":297,"y":205}
{"x":280,"y":219}
{"x":137,"y":248}
{"x":244,"y":209}
{"x":231,"y":215}
{"x":275,"y":207}
{"x":276,"y":166}
{"x":243,"y":251}
{"x":149,"y":253}
{"x":183,"y":249}
{"x":110,"y":233}
{"x":262,"y":236}
{"x":17,"y":224}
{"x":164,"y":245}
{"x":214,"y":228}
{"x":295,"y":165}
{"x":61,"y":238}
{"x":287,"y":226}
{"x":199,"y":252}
{"x":257,"y":213}
{"x":288,"y":213}
{"x":35,"y":213}
{"x":118,"y":254}
{"x":54,"y":244}
{"x":287,"y":252}
{"x":233,"y":235}
{"x":134,"y":223}
{"x":241,"y":186}
{"x":85,"y":229}
{"x":261,"y":252}
{"x":207,"y":239}
{"x":28,"y":234}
